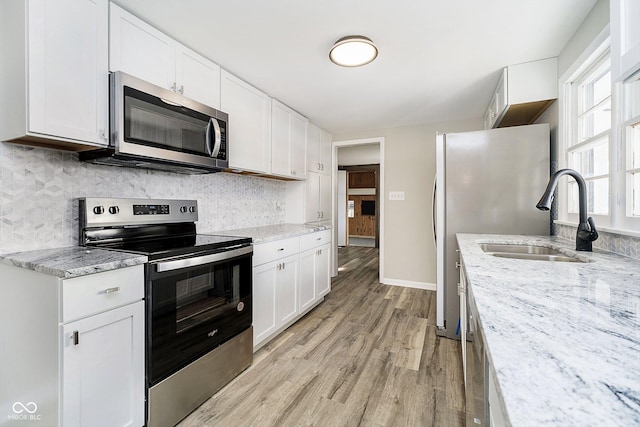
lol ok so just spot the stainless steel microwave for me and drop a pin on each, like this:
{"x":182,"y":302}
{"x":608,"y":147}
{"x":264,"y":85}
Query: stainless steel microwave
{"x":156,"y":128}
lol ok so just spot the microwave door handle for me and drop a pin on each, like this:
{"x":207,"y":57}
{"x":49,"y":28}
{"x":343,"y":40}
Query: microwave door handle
{"x":208,"y":137}
{"x":216,"y":146}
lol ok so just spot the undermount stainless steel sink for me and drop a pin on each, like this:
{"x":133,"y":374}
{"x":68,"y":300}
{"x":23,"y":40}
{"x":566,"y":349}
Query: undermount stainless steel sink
{"x":526,"y":252}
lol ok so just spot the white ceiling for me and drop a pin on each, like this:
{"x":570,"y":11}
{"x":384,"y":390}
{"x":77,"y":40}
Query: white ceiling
{"x":439,"y":60}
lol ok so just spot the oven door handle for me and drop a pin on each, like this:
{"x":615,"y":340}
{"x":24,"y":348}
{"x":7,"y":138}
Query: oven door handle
{"x":201,"y":260}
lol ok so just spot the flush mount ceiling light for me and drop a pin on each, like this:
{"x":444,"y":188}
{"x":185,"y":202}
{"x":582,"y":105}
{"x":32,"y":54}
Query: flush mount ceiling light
{"x":353,"y":51}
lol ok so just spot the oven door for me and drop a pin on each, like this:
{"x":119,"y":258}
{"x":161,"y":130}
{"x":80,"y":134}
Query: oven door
{"x":194,"y":305}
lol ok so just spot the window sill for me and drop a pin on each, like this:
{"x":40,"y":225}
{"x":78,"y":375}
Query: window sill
{"x":622,"y":232}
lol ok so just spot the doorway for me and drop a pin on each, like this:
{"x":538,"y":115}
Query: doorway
{"x":359,"y":216}
{"x":364,"y":159}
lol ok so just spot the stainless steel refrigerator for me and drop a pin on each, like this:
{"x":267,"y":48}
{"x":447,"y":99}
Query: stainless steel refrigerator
{"x":486,"y":182}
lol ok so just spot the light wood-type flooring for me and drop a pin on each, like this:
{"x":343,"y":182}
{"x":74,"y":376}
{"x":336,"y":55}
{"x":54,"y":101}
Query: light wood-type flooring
{"x":367,"y":356}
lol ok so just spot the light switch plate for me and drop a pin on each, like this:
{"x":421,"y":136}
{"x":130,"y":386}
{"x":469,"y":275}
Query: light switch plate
{"x":396,"y":195}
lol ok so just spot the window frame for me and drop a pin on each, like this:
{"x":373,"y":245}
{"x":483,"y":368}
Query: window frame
{"x":616,"y":220}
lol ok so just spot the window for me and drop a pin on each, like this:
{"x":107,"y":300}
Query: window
{"x":601,"y":140}
{"x":588,"y":151}
{"x":631,"y":137}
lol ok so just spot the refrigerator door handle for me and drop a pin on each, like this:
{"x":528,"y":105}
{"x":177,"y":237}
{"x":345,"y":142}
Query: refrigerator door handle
{"x":433,"y":212}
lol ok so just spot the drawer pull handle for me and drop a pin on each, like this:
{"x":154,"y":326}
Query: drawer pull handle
{"x":111,"y":290}
{"x":319,"y":238}
{"x":75,"y":337}
{"x":280,"y":249}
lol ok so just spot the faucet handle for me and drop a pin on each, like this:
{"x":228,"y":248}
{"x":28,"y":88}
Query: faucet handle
{"x":593,"y":234}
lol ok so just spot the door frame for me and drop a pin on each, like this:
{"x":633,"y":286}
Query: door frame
{"x":335,"y":145}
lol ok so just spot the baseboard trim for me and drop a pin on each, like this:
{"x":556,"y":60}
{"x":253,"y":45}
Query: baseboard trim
{"x":409,"y":284}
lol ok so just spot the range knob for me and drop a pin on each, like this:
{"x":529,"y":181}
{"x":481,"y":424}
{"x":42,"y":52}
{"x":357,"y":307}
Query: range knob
{"x":183,"y":209}
{"x":98,"y":210}
{"x":114,"y":210}
{"x":192,"y":209}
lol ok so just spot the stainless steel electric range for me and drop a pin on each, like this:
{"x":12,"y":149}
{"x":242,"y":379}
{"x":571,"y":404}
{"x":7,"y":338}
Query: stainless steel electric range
{"x":197,"y":292}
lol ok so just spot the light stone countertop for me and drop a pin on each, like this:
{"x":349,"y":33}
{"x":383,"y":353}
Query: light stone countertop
{"x":270,"y":233}
{"x":563,"y":337}
{"x":72,"y":261}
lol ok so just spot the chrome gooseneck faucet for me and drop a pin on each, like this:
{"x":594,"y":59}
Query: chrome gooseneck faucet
{"x":587,"y":232}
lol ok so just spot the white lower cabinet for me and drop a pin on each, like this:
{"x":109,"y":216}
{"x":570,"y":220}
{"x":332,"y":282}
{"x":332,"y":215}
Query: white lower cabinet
{"x":274,"y":296}
{"x":74,"y":355}
{"x":103,"y":368}
{"x":315,"y":277}
{"x":290,"y":277}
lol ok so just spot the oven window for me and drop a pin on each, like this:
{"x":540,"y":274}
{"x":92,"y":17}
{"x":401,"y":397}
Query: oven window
{"x":203,"y":297}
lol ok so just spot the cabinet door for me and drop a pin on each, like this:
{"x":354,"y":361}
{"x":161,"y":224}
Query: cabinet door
{"x":314,"y":156}
{"x":298,"y":146}
{"x":249,"y":131}
{"x":280,"y":139}
{"x":197,"y":78}
{"x":138,"y":49}
{"x":325,"y":152}
{"x":307,"y":281}
{"x":287,"y":290}
{"x":312,"y":197}
{"x":323,"y":275}
{"x":103,"y":376}
{"x":68,"y":69}
{"x":264,"y":301}
{"x":288,"y":141}
{"x":325,"y":197}
{"x":462,"y":294}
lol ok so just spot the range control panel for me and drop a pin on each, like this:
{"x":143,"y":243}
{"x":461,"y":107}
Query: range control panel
{"x":103,"y":212}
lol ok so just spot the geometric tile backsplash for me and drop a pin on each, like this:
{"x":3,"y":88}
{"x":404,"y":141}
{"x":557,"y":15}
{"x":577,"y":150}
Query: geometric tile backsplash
{"x":612,"y":242}
{"x":40,"y":187}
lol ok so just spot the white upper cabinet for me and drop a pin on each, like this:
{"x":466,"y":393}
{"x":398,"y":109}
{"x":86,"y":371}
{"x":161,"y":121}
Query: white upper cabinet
{"x":288,"y":142}
{"x":524,"y":91}
{"x":197,"y":78}
{"x":143,"y":51}
{"x":317,"y":207}
{"x":54,"y":72}
{"x":625,"y":38}
{"x":249,"y":131}
{"x":318,"y":150}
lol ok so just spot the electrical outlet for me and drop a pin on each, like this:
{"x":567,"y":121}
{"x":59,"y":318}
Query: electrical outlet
{"x":396,"y":195}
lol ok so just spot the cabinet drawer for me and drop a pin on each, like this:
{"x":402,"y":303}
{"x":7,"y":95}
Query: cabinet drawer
{"x":270,"y":251}
{"x":94,"y":293}
{"x":312,"y":240}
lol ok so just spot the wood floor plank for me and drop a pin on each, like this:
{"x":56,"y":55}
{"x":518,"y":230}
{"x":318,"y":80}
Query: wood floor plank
{"x":410,"y":352}
{"x":367,"y":356}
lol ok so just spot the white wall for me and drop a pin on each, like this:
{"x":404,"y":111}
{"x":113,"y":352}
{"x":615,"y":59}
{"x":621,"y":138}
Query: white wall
{"x":409,"y":252}
{"x":368,"y":154}
{"x":593,"y":24}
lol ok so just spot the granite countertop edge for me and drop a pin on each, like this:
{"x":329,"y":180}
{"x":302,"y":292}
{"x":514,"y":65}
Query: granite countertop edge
{"x":269,"y":233}
{"x":72,"y":261}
